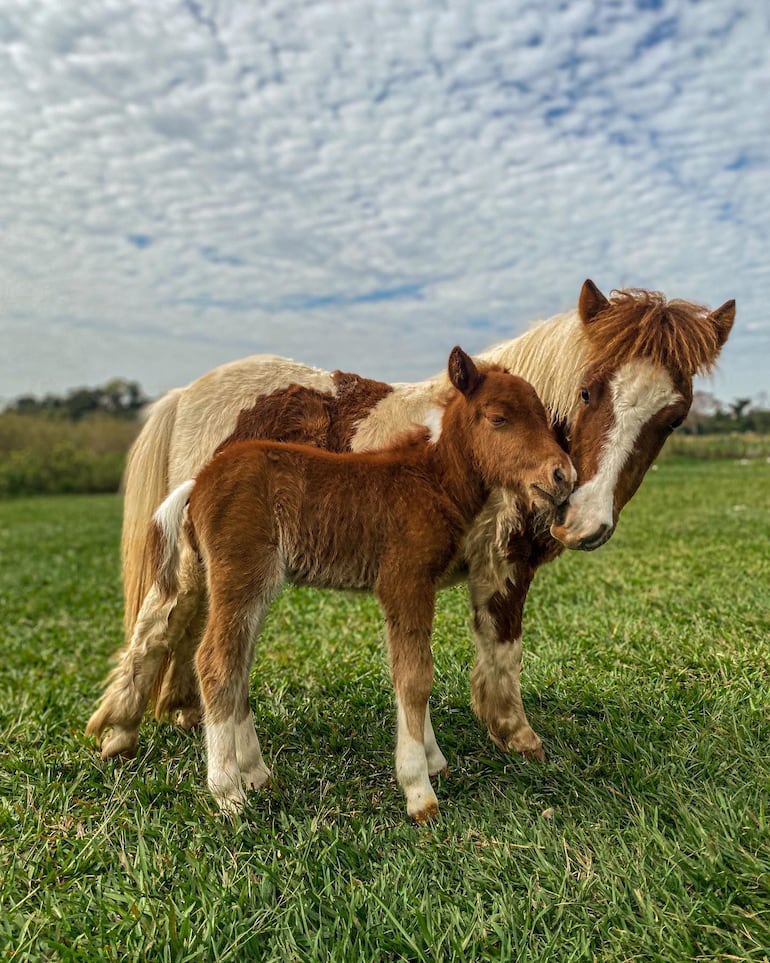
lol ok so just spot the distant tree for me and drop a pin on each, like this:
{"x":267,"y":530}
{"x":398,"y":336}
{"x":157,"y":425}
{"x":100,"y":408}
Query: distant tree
{"x":120,"y":398}
{"x":738,"y":406}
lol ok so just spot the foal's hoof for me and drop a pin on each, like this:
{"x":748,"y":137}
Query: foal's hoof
{"x":424,"y":815}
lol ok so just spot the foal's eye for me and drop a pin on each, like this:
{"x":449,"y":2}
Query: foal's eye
{"x":584,"y":394}
{"x":497,"y":421}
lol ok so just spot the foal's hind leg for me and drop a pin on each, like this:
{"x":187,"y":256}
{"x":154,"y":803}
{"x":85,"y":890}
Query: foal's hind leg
{"x":408,"y":607}
{"x":223,"y":662}
{"x":435,"y":757}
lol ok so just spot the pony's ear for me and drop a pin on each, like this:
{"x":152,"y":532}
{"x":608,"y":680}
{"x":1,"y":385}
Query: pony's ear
{"x":463,"y":373}
{"x":722,"y":318}
{"x":591,"y":301}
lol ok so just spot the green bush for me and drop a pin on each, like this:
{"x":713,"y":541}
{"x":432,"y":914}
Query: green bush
{"x":44,"y":455}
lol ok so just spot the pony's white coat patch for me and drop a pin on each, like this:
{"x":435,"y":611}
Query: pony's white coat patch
{"x":433,"y":420}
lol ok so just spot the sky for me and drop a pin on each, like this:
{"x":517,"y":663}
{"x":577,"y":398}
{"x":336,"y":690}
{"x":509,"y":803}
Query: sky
{"x":362,"y":185}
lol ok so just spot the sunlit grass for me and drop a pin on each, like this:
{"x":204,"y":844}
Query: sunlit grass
{"x":644,"y":836}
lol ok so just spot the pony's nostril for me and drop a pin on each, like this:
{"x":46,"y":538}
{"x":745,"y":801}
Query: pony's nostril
{"x":558,"y":475}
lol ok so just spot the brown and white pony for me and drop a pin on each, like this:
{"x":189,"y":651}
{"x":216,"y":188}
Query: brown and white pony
{"x":262,"y":513}
{"x":614,"y":374}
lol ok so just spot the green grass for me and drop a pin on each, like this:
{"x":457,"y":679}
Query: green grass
{"x":644,"y":837}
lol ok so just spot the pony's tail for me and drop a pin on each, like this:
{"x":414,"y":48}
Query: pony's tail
{"x":163,"y":540}
{"x":145,"y":485}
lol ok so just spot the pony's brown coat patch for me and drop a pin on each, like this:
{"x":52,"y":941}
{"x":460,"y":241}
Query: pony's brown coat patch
{"x":308,"y":416}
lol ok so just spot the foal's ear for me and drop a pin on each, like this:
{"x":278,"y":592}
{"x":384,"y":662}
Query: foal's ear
{"x":591,"y":301}
{"x":463,"y":373}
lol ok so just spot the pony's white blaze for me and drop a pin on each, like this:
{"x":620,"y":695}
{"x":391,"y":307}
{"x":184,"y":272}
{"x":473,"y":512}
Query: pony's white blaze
{"x":639,"y":390}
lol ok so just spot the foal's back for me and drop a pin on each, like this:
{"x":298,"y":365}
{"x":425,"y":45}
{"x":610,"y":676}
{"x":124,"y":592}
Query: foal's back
{"x":332,"y":517}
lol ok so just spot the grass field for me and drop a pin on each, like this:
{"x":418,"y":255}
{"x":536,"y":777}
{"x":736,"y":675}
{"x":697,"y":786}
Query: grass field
{"x":645,"y":836}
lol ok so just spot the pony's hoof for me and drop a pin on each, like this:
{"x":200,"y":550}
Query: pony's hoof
{"x":189,"y":718}
{"x":120,"y":742}
{"x":526,"y":742}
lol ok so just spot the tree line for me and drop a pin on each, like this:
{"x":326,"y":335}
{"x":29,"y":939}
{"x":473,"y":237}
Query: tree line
{"x":121,"y":398}
{"x":118,"y":398}
{"x":709,"y":416}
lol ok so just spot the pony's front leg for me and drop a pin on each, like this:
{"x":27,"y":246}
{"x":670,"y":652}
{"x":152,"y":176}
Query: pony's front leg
{"x":496,"y":679}
{"x":409,"y":618}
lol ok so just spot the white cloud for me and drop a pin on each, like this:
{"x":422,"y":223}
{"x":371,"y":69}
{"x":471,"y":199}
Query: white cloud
{"x":188,"y":182}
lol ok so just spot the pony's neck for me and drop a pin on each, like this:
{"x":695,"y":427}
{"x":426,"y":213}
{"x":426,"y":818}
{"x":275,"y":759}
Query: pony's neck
{"x":552,"y":357}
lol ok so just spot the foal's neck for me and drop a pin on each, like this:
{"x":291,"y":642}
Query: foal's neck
{"x":452,"y":462}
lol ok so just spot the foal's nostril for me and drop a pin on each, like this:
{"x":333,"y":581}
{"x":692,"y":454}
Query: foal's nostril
{"x":558,"y":475}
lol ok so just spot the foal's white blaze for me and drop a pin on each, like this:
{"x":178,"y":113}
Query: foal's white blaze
{"x":639,"y":390}
{"x":412,"y":769}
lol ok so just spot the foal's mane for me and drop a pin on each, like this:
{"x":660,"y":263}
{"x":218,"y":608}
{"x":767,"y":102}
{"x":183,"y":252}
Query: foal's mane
{"x":677,"y":335}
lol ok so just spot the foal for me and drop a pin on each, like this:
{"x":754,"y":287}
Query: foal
{"x":261,"y":513}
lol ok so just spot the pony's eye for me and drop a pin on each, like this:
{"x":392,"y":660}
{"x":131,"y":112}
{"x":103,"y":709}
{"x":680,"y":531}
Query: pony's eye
{"x":497,"y":421}
{"x":584,"y":394}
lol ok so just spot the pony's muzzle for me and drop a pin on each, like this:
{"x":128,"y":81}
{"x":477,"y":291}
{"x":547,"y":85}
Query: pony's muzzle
{"x":582,"y":543}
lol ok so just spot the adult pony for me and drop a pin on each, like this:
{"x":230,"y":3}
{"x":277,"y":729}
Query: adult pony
{"x":615,"y":375}
{"x":262,"y":512}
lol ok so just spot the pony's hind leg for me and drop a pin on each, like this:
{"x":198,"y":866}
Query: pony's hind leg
{"x":125,"y":698}
{"x":175,"y":694}
{"x":178,"y":700}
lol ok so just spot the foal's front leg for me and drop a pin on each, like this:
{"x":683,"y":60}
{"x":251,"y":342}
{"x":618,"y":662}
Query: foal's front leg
{"x":408,"y":612}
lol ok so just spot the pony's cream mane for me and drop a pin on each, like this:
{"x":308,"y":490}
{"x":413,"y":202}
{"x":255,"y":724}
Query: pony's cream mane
{"x":553,"y":357}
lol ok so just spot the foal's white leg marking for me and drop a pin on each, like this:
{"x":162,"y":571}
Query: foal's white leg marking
{"x":412,"y":771}
{"x":224,"y":776}
{"x":434,"y":756}
{"x":639,"y":390}
{"x":254,"y":772}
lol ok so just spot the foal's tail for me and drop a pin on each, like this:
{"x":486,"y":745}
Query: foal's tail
{"x":165,"y":530}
